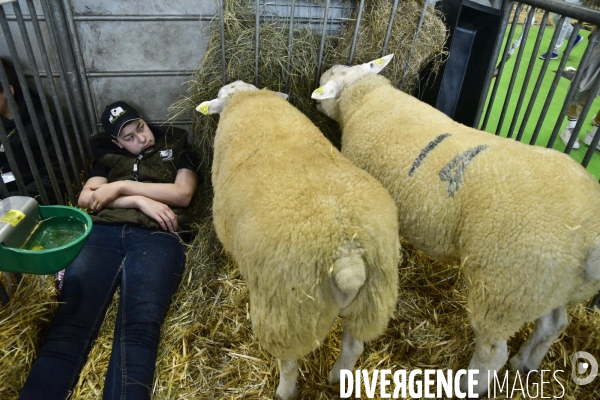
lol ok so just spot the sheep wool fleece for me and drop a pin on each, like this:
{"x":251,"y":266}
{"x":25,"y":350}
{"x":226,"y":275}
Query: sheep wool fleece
{"x":287,"y":204}
{"x":503,"y":209}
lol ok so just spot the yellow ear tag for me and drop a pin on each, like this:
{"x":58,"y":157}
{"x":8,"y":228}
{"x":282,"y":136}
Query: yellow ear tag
{"x":379,"y":62}
{"x":203,"y":108}
{"x":319,"y":90}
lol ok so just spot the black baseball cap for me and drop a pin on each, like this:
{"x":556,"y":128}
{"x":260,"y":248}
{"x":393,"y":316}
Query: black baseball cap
{"x":116,"y":115}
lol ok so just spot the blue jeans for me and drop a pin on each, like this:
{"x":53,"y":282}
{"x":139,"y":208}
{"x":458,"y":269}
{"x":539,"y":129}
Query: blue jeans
{"x":148,"y":265}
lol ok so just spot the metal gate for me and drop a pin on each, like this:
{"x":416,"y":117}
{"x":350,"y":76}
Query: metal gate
{"x":81,"y":55}
{"x":525,"y":93}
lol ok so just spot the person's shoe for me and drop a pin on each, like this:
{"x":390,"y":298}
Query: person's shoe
{"x":590,"y":136}
{"x":565,"y":135}
{"x":578,"y":40}
{"x":553,"y":56}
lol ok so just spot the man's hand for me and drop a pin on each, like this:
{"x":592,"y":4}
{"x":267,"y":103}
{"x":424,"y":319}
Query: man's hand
{"x":159,"y":212}
{"x":103,"y":194}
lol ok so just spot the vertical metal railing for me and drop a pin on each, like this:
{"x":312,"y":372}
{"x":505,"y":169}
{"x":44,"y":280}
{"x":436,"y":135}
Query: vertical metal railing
{"x":55,"y":135}
{"x":46,"y":107}
{"x":256,"y":41}
{"x":527,"y":27}
{"x":12,"y":102}
{"x":289,"y":49}
{"x":490,"y":73}
{"x":569,"y":98}
{"x":65,"y":22}
{"x":388,"y":32}
{"x":222,"y":32}
{"x":412,"y":48}
{"x":529,"y":94}
{"x":80,"y":128}
{"x":322,"y":44}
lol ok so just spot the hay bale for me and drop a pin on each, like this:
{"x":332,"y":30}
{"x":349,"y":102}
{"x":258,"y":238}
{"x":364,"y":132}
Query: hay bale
{"x":240,"y":36}
{"x":428,"y":50}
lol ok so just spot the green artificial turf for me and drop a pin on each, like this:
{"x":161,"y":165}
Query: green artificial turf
{"x":555,"y":106}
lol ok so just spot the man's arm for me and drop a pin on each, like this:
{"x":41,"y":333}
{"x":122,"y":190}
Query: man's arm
{"x":157,"y":210}
{"x":177,"y":194}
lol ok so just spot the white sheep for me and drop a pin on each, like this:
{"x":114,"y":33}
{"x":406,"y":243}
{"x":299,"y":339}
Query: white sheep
{"x":524,"y":221}
{"x":314,"y":236}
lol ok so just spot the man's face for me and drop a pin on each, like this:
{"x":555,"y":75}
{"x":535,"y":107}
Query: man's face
{"x":135,"y":137}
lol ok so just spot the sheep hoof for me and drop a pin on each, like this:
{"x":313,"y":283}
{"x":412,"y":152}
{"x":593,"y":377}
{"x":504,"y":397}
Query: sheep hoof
{"x":334,"y":376}
{"x":282,"y":394}
{"x":478,"y":390}
{"x":517,"y":364}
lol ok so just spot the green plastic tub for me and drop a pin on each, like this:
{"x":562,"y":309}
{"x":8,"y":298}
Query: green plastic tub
{"x":44,"y":261}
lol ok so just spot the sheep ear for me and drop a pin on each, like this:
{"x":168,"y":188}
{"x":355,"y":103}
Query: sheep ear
{"x":211,"y":107}
{"x":376,"y":66}
{"x":327,"y":91}
{"x":285,"y":96}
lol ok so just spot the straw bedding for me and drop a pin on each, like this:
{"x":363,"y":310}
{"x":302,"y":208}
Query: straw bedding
{"x":207,"y":348}
{"x":208,"y":351}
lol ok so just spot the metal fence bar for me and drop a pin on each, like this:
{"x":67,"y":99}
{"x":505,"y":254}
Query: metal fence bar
{"x":222,"y":33}
{"x":581,"y":121}
{"x":412,"y":48}
{"x":67,"y":92}
{"x":290,"y":41}
{"x":570,"y":94}
{"x":389,"y":28}
{"x":145,"y":18}
{"x":46,"y":107}
{"x":586,"y":109}
{"x":580,"y":13}
{"x":526,"y":28}
{"x":257,"y":41}
{"x":355,"y":36}
{"x":497,"y":47}
{"x":553,"y":86}
{"x":57,"y":106}
{"x":541,"y":75}
{"x":29,"y":104}
{"x":511,"y":84}
{"x":138,"y":74}
{"x":10,"y":156}
{"x":3,"y":190}
{"x":64,"y":45}
{"x":66,"y":24}
{"x":322,"y":45}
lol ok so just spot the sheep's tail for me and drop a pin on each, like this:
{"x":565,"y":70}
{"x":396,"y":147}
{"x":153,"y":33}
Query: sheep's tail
{"x":349,"y":275}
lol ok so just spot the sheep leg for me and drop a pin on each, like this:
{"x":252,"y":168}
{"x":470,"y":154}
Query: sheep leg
{"x":351,"y":349}
{"x":487,"y":357}
{"x":288,"y":374}
{"x":546,"y":331}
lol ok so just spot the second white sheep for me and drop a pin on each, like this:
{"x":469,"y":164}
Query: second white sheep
{"x":524,"y":221}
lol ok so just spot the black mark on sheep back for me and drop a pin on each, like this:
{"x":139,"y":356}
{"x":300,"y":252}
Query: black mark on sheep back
{"x":430,"y":146}
{"x":453,"y":171}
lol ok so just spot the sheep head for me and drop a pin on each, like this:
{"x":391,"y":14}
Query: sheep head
{"x":338,"y":77}
{"x":217,"y":105}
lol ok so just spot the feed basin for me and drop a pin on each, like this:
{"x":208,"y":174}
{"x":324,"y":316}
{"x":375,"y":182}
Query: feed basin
{"x":38,"y":239}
